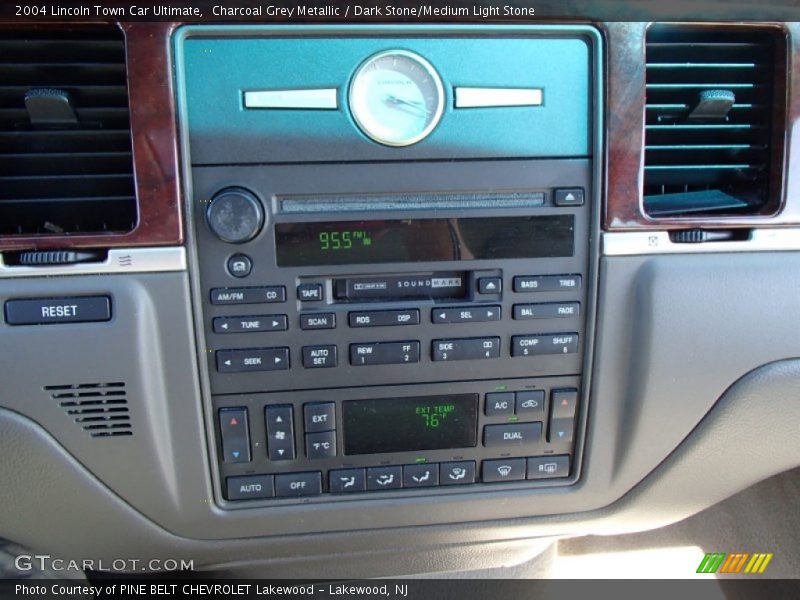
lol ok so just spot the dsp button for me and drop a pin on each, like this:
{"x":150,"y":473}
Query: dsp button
{"x":537,"y":345}
{"x":43,"y":311}
{"x":466,"y":349}
{"x":384,"y":318}
{"x":471,"y":314}
{"x":514,"y":435}
{"x":250,"y":324}
{"x":547,"y":283}
{"x":384,"y":353}
{"x":257,"y":359}
{"x":319,"y":357}
{"x":298,"y":484}
{"x":250,"y":487}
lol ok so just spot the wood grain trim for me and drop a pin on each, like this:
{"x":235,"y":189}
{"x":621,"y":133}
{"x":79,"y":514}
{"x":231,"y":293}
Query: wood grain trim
{"x":155,"y":149}
{"x":625,"y":138}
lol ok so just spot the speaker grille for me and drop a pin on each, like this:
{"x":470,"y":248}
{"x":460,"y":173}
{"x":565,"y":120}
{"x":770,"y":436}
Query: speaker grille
{"x":101,"y":409}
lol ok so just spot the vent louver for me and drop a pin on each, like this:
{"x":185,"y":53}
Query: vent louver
{"x":101,"y":409}
{"x":709,"y":120}
{"x":65,"y":144}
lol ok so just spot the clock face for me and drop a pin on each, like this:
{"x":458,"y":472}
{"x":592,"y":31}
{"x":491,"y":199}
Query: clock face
{"x":396,"y":98}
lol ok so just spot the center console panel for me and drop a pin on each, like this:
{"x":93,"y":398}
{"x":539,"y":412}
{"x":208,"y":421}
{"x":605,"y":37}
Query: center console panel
{"x":382,"y":318}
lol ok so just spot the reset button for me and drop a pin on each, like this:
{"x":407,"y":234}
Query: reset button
{"x":42,"y":311}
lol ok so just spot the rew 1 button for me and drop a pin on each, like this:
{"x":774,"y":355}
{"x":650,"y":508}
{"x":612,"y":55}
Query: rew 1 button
{"x":257,"y":359}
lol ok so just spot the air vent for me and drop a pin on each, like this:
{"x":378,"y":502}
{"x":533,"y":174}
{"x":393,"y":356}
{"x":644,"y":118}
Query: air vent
{"x":710,"y":120}
{"x":65,"y":144}
{"x":101,"y":409}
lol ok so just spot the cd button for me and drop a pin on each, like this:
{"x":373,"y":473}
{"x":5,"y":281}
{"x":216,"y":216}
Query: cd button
{"x":509,"y":469}
{"x":457,"y":473}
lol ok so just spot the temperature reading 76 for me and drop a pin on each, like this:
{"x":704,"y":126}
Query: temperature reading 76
{"x":343,"y":240}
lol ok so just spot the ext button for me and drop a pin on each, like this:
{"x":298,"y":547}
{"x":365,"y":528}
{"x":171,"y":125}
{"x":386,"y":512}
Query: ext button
{"x":384,"y":478}
{"x":319,"y":357}
{"x":310,"y":292}
{"x":471,"y":314}
{"x":320,"y":417}
{"x":457,"y":473}
{"x":250,"y":324}
{"x":509,"y":469}
{"x":250,"y":487}
{"x":466,"y":349}
{"x":530,"y":403}
{"x":568,"y":197}
{"x":548,"y":310}
{"x":321,"y":445}
{"x":249,"y":295}
{"x":344,"y":481}
{"x":536,"y":345}
{"x":423,"y":475}
{"x":512,"y":436}
{"x":43,"y":311}
{"x":564,"y":403}
{"x":317,"y":321}
{"x":298,"y":484}
{"x":547,"y":283}
{"x":280,"y":432}
{"x":235,"y":435}
{"x":548,"y":467}
{"x":256,"y":359}
{"x":384,"y":353}
{"x":499,"y":403}
{"x":384,"y":318}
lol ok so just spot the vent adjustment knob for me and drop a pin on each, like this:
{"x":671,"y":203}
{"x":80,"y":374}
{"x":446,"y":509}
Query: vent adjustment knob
{"x":235,"y":215}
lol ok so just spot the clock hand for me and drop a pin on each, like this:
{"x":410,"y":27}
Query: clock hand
{"x":417,"y":106}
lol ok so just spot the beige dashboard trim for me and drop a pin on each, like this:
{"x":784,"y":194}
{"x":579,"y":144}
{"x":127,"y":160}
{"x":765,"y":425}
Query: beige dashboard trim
{"x":635,"y":243}
{"x":118,"y":261}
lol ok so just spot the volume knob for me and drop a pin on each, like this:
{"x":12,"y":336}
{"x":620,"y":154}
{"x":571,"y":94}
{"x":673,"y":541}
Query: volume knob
{"x":235,"y":215}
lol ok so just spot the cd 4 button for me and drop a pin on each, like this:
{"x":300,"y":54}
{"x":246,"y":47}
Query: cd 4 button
{"x":466,"y":349}
{"x":472,"y":314}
